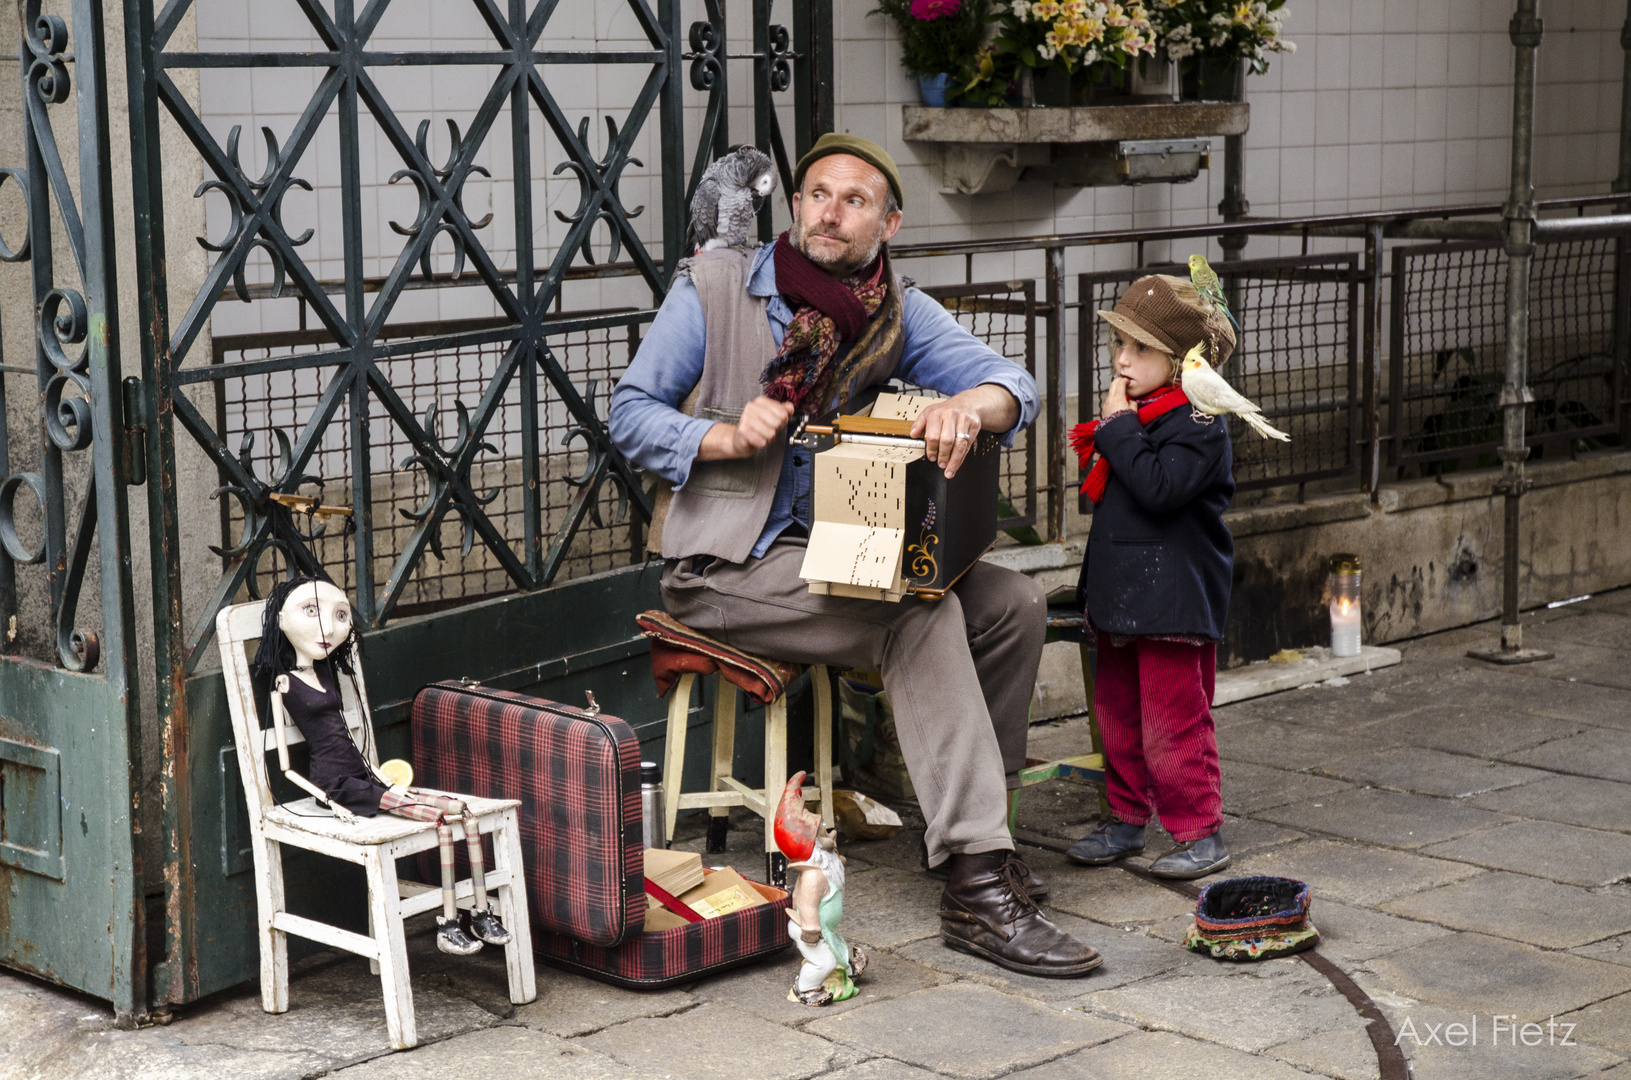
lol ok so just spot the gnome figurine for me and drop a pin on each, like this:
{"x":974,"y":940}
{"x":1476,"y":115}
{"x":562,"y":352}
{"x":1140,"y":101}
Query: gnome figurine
{"x":830,"y":964}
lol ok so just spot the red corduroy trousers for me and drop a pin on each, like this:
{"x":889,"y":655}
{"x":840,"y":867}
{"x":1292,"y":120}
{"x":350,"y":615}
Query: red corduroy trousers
{"x":1153,"y":702}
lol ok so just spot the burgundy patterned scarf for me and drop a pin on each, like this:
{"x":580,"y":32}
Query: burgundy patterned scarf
{"x":827,"y":312}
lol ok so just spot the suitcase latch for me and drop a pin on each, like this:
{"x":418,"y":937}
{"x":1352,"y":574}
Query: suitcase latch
{"x":594,"y":706}
{"x":468,"y":683}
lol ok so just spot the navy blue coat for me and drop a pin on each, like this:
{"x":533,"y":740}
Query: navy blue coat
{"x":1159,"y":558}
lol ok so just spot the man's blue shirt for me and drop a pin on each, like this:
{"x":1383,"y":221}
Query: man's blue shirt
{"x":647,"y":426}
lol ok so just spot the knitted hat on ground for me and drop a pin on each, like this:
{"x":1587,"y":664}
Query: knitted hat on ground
{"x":1252,"y":918}
{"x":868,"y":151}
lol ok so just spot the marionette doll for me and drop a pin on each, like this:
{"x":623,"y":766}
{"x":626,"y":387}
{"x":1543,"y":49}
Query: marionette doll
{"x":830,"y":963}
{"x":308,"y":641}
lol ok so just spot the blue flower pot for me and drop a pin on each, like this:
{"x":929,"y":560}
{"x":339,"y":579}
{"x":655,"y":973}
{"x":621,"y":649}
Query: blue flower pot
{"x":934,"y":89}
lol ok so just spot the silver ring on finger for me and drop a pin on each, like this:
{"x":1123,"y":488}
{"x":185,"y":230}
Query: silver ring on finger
{"x":962,"y":435}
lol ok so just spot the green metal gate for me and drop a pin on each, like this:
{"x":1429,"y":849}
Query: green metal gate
{"x":520,"y":481}
{"x":70,"y":863}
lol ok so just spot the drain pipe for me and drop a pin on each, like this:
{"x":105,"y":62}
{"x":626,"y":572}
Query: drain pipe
{"x":1518,"y":216}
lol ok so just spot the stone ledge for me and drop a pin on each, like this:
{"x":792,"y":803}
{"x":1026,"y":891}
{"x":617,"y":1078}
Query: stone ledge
{"x":1316,"y":666}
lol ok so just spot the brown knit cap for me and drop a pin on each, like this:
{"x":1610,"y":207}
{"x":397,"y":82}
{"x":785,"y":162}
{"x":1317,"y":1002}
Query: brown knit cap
{"x":1167,"y":313}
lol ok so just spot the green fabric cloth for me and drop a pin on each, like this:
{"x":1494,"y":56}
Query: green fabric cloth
{"x":868,"y":151}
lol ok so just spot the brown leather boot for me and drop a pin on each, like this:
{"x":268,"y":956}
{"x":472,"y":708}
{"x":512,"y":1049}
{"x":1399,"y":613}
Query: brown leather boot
{"x":985,"y":910}
{"x":1035,"y":886}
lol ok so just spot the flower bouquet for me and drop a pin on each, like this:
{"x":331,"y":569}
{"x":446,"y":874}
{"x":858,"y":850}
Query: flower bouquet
{"x":937,"y":38}
{"x":1210,"y":39}
{"x":1055,"y":52}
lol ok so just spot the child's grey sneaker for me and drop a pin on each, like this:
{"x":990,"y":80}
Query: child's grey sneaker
{"x":1111,"y":841}
{"x":1193,"y":859}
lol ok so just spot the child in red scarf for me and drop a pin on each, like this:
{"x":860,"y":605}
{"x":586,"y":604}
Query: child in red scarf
{"x":1155,"y":580}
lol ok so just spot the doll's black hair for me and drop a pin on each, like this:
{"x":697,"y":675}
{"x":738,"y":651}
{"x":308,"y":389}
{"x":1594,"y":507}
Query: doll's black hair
{"x":276,"y":655}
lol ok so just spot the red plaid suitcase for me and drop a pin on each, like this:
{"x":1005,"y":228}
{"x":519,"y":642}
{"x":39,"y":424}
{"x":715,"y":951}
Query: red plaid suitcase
{"x":577,"y":774}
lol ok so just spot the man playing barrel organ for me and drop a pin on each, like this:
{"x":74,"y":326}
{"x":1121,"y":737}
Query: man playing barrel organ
{"x":750,"y":340}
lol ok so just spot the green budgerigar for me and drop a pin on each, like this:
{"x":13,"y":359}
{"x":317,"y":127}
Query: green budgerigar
{"x":1205,"y":280}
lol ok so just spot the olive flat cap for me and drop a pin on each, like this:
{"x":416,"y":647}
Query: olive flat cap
{"x":868,"y":151}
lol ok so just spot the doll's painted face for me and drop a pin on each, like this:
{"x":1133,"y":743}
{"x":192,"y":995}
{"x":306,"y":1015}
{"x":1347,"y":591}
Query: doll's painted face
{"x":1146,"y":369}
{"x":316,"y":619}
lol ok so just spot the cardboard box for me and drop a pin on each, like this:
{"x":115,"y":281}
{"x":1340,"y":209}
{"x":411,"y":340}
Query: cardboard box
{"x":722,"y":891}
{"x":886,"y":521}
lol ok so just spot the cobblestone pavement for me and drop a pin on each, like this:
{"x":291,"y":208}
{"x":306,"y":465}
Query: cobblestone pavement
{"x":1466,"y":830}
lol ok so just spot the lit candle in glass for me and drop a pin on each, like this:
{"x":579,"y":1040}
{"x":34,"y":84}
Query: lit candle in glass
{"x":1344,"y":589}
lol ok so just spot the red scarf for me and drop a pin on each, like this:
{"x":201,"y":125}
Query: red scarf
{"x":826,"y":313}
{"x":1157,"y":404}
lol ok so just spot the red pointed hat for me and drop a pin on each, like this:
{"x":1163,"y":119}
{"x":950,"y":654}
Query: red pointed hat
{"x":796,"y":827}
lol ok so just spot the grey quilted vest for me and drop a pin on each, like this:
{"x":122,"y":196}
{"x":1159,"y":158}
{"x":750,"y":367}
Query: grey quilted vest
{"x":724,"y":505}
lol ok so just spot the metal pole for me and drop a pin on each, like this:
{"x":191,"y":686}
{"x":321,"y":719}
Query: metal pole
{"x":1055,"y":403}
{"x":1518,"y":215}
{"x":1623,"y":181}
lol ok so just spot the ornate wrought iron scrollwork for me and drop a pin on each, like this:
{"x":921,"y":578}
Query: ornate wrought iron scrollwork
{"x":610,"y":168}
{"x":441,"y":225}
{"x":240,"y":211}
{"x":706,"y":55}
{"x":47,"y":39}
{"x":258,"y":506}
{"x":596,"y":474}
{"x":439,"y":487}
{"x":779,"y":57}
{"x":20,"y":254}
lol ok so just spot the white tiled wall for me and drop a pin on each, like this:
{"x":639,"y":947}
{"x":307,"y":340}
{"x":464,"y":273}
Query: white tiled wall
{"x":1386,"y":103}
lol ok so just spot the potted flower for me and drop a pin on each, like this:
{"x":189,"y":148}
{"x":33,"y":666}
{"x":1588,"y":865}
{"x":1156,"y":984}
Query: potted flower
{"x":1060,"y":52}
{"x":1216,"y":41}
{"x":937,"y":38}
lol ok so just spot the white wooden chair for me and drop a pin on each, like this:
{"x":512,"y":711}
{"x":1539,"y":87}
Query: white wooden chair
{"x":373,"y":843}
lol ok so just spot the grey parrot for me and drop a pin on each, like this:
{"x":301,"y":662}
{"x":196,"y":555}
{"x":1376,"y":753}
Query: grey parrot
{"x":722,"y":210}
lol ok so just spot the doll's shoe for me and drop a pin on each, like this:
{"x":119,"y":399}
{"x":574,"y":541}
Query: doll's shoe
{"x":857,"y":961}
{"x":451,"y":938}
{"x":1104,"y":845}
{"x":1193,"y":859}
{"x":485,"y":925}
{"x":814,"y":998}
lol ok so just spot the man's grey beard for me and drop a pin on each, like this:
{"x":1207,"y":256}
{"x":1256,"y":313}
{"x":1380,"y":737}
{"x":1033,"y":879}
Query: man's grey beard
{"x":837,"y":269}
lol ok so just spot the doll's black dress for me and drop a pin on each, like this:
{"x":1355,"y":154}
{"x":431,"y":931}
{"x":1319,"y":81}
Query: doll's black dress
{"x":336,"y":765}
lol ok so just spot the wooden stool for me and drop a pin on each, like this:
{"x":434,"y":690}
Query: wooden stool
{"x":679,"y":656}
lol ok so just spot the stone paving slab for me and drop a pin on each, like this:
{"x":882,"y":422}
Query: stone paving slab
{"x":1351,"y":935}
{"x":761,"y":989}
{"x":513,"y":1053}
{"x":967,"y":1031}
{"x":1247,"y":1007}
{"x":1346,"y":1054}
{"x":1477,"y":726}
{"x":1478,"y":973}
{"x":1249,"y":788}
{"x":1607,"y":1023}
{"x":570,"y":1004}
{"x":1353,"y":873}
{"x":1587,"y":663}
{"x":1599,"y":752}
{"x":1572,"y":800}
{"x":1391,"y":818}
{"x":1426,"y":1036}
{"x":887,"y":907}
{"x":1286,"y":746}
{"x":1430,"y":772}
{"x":1522,"y":908}
{"x":1059,"y":808}
{"x":1129,"y":955}
{"x":1615,"y":950}
{"x":1159,"y":1055}
{"x":714,"y":1042}
{"x":882,"y":1069}
{"x":1104,"y":893}
{"x":1546,"y":849}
